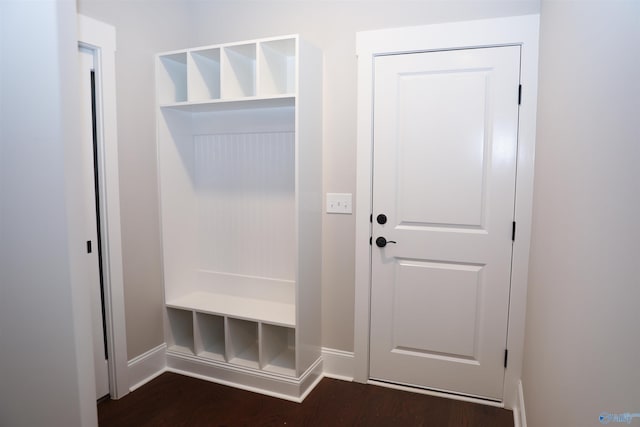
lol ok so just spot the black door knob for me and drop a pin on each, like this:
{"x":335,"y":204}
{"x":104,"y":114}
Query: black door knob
{"x":381,"y":242}
{"x":382,"y":219}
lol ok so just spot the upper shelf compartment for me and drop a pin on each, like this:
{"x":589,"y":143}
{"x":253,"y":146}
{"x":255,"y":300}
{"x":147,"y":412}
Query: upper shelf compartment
{"x":239,"y":71}
{"x":204,"y":74}
{"x":277,"y":67}
{"x":172,"y":78}
{"x":229,"y":73}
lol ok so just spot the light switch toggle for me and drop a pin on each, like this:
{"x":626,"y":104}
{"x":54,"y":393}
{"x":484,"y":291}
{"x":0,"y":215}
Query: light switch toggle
{"x":340,"y":203}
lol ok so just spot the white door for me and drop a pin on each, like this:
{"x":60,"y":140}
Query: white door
{"x":445,"y":142}
{"x":86,"y":62}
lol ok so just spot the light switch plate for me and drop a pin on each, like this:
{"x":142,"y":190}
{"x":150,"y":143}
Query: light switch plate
{"x":340,"y":203}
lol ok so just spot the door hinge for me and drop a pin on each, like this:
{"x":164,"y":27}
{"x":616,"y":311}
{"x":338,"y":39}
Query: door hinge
{"x":519,"y":94}
{"x":513,"y":231}
{"x":506,"y":357}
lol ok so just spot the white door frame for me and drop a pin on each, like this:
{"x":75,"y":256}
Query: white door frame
{"x":101,"y":38}
{"x":518,"y":30}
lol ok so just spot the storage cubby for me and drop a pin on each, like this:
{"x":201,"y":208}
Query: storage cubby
{"x":172,"y":78}
{"x":180,"y":338}
{"x":204,"y":74}
{"x":210,"y":336}
{"x":277,"y":65}
{"x":239,"y":71}
{"x":241,"y":212}
{"x":242,"y":343}
{"x":278,"y":349}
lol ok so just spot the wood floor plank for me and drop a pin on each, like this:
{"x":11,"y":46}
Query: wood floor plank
{"x":176,"y":400}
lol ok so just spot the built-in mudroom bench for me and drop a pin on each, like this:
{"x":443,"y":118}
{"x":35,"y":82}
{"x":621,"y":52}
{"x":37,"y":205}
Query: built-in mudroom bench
{"x":239,"y":130}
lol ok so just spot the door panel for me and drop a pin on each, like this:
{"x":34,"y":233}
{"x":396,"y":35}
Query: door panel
{"x":445,"y":142}
{"x":86,"y":63}
{"x":458,"y":154}
{"x":424,"y":292}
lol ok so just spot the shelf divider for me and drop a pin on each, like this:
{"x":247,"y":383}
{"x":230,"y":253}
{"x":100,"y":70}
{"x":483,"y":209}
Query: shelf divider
{"x":246,"y":103}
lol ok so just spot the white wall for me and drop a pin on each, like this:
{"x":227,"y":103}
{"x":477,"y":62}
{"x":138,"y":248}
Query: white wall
{"x":46,"y":369}
{"x":331,"y":26}
{"x":151,"y":26}
{"x":582,"y":348}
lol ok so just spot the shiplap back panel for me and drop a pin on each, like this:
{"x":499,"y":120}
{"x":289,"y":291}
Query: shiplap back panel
{"x":245,"y":191}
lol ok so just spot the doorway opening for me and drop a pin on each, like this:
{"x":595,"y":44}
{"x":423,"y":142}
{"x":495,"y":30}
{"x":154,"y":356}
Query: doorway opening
{"x":95,"y":278}
{"x":101,"y":204}
{"x":519,"y":31}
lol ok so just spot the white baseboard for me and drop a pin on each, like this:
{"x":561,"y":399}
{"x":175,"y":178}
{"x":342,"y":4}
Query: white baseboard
{"x":147,"y":366}
{"x":519,"y":414}
{"x":337,"y":364}
{"x":255,"y":380}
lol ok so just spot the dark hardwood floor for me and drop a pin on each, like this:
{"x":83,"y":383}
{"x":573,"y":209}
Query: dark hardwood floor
{"x":175,"y":400}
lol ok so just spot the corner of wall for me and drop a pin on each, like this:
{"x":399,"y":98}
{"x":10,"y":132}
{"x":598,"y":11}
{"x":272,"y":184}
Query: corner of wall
{"x":338,"y":364}
{"x":147,"y":366}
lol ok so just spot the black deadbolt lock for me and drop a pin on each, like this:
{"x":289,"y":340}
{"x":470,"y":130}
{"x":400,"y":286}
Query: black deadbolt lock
{"x":382,"y":219}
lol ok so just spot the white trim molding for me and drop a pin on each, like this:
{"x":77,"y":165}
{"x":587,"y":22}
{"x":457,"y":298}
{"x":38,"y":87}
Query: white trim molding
{"x":518,"y":30}
{"x":285,"y":387}
{"x":337,"y":364}
{"x":101,"y":38}
{"x":519,"y":414}
{"x":147,"y":366}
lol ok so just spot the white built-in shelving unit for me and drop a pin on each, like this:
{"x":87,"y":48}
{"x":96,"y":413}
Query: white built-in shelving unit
{"x":239,"y":148}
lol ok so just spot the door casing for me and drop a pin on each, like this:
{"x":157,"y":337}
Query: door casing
{"x":520,"y":31}
{"x":101,"y":38}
